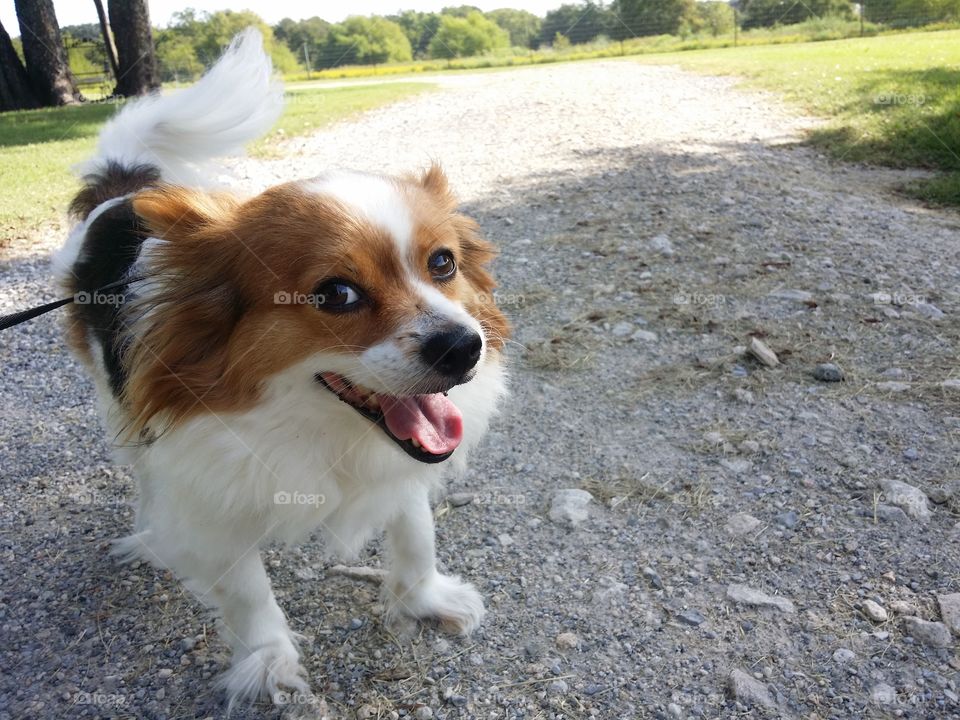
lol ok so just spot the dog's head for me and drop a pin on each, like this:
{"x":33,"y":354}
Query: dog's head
{"x":376,"y":286}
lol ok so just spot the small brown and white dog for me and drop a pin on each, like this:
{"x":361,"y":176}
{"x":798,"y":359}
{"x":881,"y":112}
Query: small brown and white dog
{"x":319,"y":356}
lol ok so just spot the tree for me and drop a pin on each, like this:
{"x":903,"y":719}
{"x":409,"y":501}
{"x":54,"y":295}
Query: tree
{"x":578,"y":23}
{"x":714,"y":16}
{"x":523,"y":26}
{"x":176,"y":57}
{"x":366,"y":41}
{"x":136,"y":58}
{"x":419,"y":27}
{"x":109,"y":47}
{"x":636,"y":18}
{"x":467,"y":36}
{"x":906,"y":13}
{"x":46,"y":59}
{"x":15,"y":90}
{"x":297,"y":34}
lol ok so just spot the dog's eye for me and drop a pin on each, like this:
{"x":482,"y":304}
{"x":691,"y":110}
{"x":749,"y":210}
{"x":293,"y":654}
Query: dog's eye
{"x":441,"y":265}
{"x":337,"y":296}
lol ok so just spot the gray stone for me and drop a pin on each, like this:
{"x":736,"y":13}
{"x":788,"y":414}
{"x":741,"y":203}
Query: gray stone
{"x":764,"y":354}
{"x":928,"y":310}
{"x":662,"y":244}
{"x":567,"y":641}
{"x":746,"y":595}
{"x":934,"y":634}
{"x":883,"y":694}
{"x":873,"y":611}
{"x":787,"y":519}
{"x":745,"y":688}
{"x":828,"y":372}
{"x":459,"y":500}
{"x":842,"y":656}
{"x":742,"y":524}
{"x":893,"y":386}
{"x":792,"y":294}
{"x":950,"y":611}
{"x":568,"y":506}
{"x":423,"y":713}
{"x":644,"y":336}
{"x":691,"y":617}
{"x":674,"y":710}
{"x":913,"y":501}
{"x":622,"y":329}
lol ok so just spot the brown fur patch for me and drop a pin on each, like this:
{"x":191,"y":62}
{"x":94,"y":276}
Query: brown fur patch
{"x":211,"y":331}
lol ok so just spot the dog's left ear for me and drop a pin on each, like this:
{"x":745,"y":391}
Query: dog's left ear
{"x":434,"y":181}
{"x":177,"y":211}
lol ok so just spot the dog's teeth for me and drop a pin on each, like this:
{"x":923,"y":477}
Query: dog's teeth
{"x":415,"y":443}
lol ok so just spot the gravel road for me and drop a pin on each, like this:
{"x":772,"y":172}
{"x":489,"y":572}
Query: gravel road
{"x":759,"y":540}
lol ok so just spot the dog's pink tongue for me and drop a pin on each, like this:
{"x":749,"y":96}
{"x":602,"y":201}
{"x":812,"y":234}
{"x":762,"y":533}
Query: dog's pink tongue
{"x":432,"y":420}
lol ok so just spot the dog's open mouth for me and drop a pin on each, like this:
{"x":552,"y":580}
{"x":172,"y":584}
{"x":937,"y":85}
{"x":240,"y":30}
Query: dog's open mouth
{"x":427,"y":427}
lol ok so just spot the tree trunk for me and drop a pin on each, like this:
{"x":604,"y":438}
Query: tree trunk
{"x":47,"y":67}
{"x":135,"y":53}
{"x":108,"y":45}
{"x":15,"y":90}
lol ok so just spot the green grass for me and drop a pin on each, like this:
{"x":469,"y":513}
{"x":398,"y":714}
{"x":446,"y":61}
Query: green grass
{"x":891,"y":100}
{"x":38,"y":148}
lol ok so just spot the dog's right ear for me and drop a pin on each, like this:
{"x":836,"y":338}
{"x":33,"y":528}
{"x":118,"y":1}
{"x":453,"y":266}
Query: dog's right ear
{"x":171,"y":211}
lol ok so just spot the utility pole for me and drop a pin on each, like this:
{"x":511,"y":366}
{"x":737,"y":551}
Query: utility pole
{"x":306,"y":58}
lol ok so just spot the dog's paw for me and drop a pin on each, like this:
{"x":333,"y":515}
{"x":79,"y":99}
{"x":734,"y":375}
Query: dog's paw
{"x":446,"y":599}
{"x":273,"y":672}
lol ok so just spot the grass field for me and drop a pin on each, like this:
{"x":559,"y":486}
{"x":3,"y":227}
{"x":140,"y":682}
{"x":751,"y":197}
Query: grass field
{"x":891,"y":100}
{"x":39,"y":147}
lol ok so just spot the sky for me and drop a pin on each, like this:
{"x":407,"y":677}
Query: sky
{"x":76,"y":12}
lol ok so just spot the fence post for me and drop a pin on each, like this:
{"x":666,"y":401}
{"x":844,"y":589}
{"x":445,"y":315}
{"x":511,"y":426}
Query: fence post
{"x":862,"y":8}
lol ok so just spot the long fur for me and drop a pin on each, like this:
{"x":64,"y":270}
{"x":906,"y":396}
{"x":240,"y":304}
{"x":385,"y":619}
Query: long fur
{"x":211,"y":386}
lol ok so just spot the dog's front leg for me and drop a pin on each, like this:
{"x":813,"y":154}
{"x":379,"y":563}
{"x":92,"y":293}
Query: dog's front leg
{"x":414,"y":587}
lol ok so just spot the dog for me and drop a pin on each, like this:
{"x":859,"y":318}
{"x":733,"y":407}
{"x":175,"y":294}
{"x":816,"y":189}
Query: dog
{"x":320,"y":356}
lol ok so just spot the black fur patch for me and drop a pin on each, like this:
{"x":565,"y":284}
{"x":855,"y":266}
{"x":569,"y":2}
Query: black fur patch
{"x":110,"y":248}
{"x":113,"y":181}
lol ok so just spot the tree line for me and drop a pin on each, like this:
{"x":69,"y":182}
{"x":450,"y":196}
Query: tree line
{"x":37,"y":69}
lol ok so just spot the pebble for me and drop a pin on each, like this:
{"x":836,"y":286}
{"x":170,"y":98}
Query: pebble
{"x":873,"y":611}
{"x":691,"y":617}
{"x":912,"y":500}
{"x":893,"y":386}
{"x":423,"y":713}
{"x":934,"y":634}
{"x":928,"y":310}
{"x":674,"y":710}
{"x":951,"y":384}
{"x":911,"y":454}
{"x":653,"y":577}
{"x":950,"y":611}
{"x":568,"y":507}
{"x":622,"y":329}
{"x":662,"y":244}
{"x":792,"y":294}
{"x":736,"y":465}
{"x":558,"y":687}
{"x":745,"y":595}
{"x":764,"y":354}
{"x":828,"y":372}
{"x":747,"y":689}
{"x":742,"y":524}
{"x":787,"y":519}
{"x":459,"y":500}
{"x":883,"y":694}
{"x":902,"y":607}
{"x":644,"y":336}
{"x":842,"y":656}
{"x":567,"y":641}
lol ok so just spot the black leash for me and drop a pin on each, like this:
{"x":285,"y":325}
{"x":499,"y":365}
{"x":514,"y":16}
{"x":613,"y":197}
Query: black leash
{"x":21,"y":316}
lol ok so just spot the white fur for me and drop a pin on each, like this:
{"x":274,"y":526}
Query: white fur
{"x":217,"y":487}
{"x":235,"y":102}
{"x":376,"y":199}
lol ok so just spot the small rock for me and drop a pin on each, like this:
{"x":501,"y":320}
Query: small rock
{"x":787,"y":519}
{"x":928,"y":310}
{"x":902,"y":607}
{"x":568,"y":507}
{"x":828,"y":372}
{"x":841,"y":656}
{"x":940,"y":495}
{"x":950,"y":611}
{"x":893,"y":386}
{"x":913,"y":501}
{"x":691,"y":617}
{"x":745,"y":595}
{"x":622,"y":329}
{"x":873,"y":611}
{"x":883,"y":694}
{"x":934,"y":634}
{"x":423,"y":713}
{"x":889,"y":513}
{"x":457,"y":700}
{"x":653,"y":577}
{"x":894,"y":373}
{"x":742,"y":524}
{"x":187,"y":644}
{"x":792,"y":294}
{"x":662,"y":244}
{"x":763,"y":353}
{"x":164,"y":673}
{"x":744,"y":396}
{"x":951,"y":384}
{"x":161,"y":694}
{"x":736,"y":465}
{"x":568,"y":641}
{"x":674,"y":710}
{"x":644,"y":336}
{"x":504,"y":539}
{"x":747,"y":689}
{"x":356,"y":623}
{"x":459,"y":500}
{"x":558,"y":687}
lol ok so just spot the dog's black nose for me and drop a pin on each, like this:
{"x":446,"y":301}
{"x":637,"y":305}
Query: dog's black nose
{"x":452,"y":352}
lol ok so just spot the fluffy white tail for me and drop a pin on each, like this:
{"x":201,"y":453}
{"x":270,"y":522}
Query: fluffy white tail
{"x":235,"y":102}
